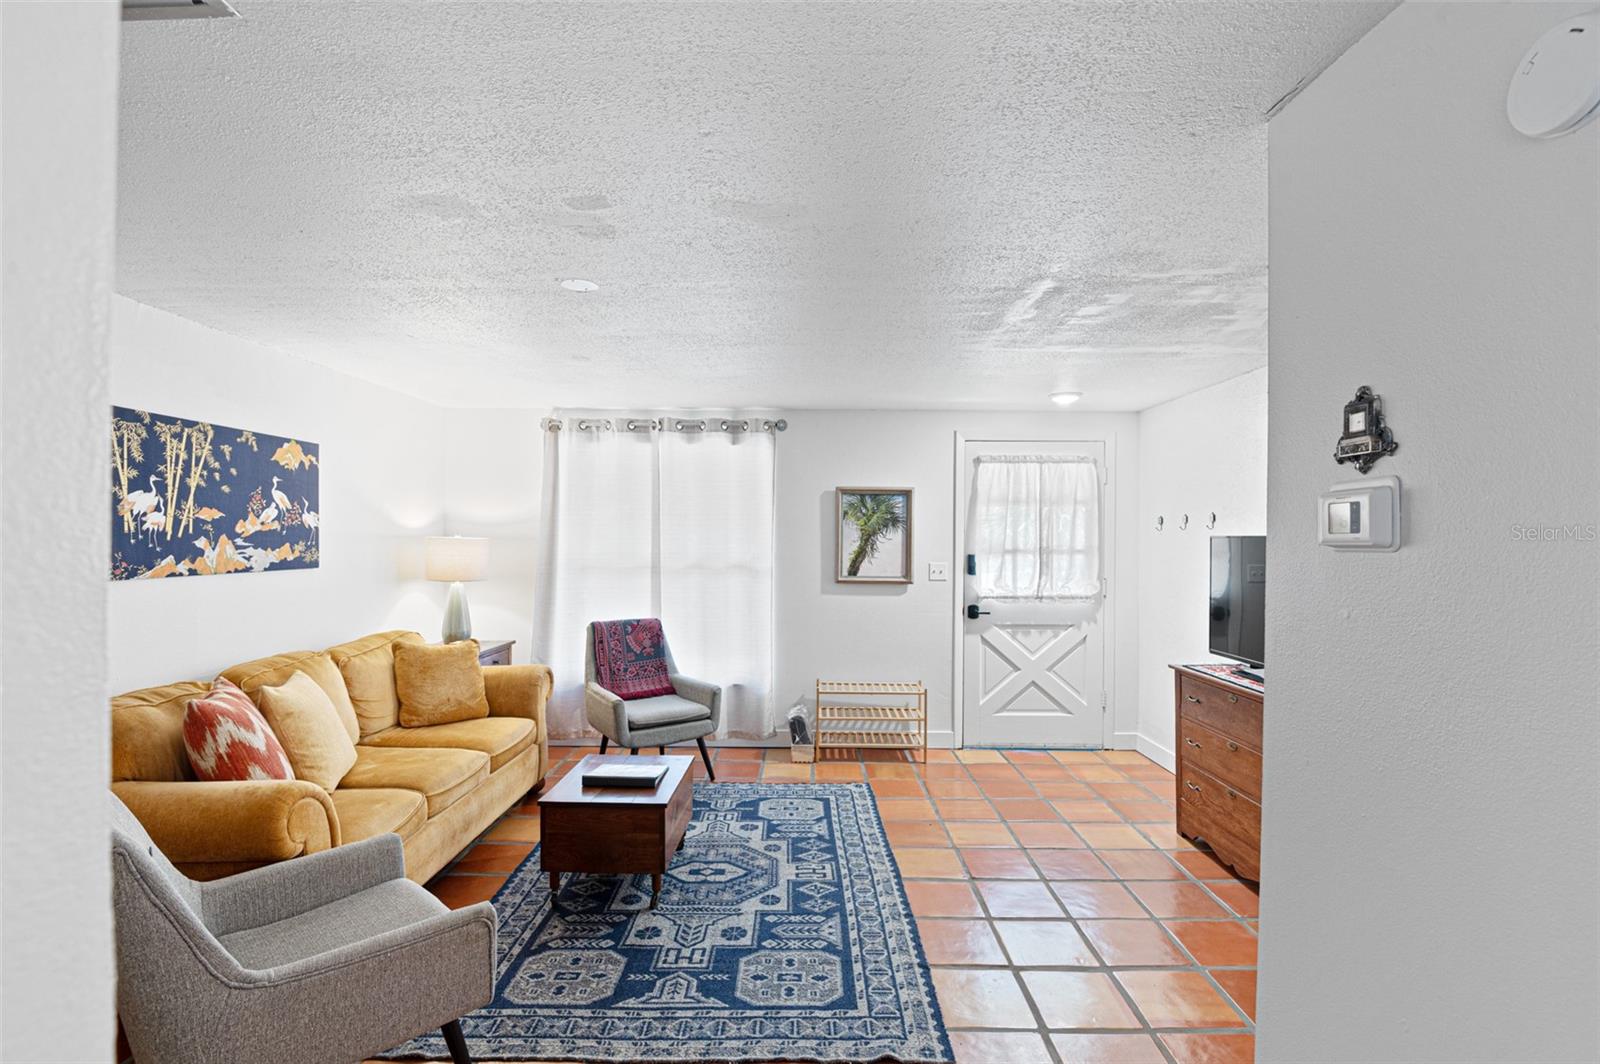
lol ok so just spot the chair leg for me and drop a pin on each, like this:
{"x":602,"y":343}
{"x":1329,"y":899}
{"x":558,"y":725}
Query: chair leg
{"x":603,"y":742}
{"x":705,"y":755}
{"x":456,"y":1041}
{"x":632,"y":750}
{"x":661,"y":750}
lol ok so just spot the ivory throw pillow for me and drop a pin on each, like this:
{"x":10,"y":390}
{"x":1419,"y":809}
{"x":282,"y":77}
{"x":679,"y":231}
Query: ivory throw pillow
{"x":305,"y":721}
{"x":439,"y":684}
{"x":226,"y":738}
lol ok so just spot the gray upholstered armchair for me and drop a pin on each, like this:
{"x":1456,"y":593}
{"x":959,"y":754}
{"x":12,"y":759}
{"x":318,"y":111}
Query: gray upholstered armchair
{"x":331,"y":957}
{"x":693,"y":711}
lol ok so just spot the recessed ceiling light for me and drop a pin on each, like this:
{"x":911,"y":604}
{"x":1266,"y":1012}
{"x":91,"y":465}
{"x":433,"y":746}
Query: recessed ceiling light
{"x":578,"y":284}
{"x":1065,"y":398}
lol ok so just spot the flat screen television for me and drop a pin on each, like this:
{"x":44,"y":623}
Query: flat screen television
{"x":1238,"y":598}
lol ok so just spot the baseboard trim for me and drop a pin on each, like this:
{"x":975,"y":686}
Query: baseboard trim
{"x":1156,"y":752}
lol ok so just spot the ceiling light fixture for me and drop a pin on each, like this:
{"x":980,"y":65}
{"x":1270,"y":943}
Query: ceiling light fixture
{"x":578,"y":284}
{"x":1065,"y":398}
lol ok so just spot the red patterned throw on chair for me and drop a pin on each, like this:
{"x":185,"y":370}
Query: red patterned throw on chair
{"x":227,"y":738}
{"x":630,"y":658}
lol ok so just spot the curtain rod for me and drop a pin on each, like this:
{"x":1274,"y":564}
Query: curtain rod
{"x":666,"y":424}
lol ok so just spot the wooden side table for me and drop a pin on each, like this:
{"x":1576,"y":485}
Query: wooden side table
{"x":616,"y":830}
{"x":493,"y":651}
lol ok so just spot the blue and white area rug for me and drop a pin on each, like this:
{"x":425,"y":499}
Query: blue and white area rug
{"x":783,"y":933}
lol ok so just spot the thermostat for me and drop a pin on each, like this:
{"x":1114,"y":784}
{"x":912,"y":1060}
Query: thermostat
{"x":1361,"y":515}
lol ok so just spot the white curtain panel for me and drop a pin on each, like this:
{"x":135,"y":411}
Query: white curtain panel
{"x":1034,"y":527}
{"x":676,"y":525}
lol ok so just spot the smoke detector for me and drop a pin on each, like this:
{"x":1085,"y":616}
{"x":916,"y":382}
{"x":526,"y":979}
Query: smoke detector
{"x":151,"y":10}
{"x":1556,"y":87}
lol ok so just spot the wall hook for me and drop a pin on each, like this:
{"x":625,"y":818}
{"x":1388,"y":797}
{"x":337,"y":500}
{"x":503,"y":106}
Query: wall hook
{"x":1159,"y":522}
{"x":1211,"y":522}
{"x":1183,"y":522}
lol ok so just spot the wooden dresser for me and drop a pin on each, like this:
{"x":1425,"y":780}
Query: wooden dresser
{"x":1219,"y":766}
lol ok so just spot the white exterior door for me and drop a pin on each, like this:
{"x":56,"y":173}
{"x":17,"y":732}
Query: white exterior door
{"x":1033,"y":672}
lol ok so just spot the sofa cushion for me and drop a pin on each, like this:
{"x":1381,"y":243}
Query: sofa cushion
{"x":251,"y":676}
{"x":147,"y":732}
{"x":368,"y":811}
{"x":502,"y":738}
{"x":663,"y":710}
{"x":439,"y":684}
{"x":305,"y":722}
{"x":441,"y":775}
{"x":226,"y":738}
{"x":367,"y":665}
{"x":344,"y":921}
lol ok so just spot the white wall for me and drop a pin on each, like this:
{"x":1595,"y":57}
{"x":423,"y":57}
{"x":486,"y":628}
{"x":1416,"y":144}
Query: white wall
{"x":494,"y":460}
{"x":1200,"y":454}
{"x":849,"y":631}
{"x":1431,"y":840}
{"x":382,"y":490}
{"x":58,"y":115}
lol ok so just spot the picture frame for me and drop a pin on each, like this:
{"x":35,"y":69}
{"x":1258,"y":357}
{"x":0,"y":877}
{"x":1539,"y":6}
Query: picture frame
{"x":873,"y":527}
{"x":199,"y":498}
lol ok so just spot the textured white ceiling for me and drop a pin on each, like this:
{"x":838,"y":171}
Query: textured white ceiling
{"x":785,"y":204}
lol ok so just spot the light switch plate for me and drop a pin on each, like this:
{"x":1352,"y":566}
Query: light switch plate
{"x":938,"y":570}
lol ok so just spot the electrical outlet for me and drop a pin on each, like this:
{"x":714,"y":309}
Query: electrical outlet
{"x":938,"y":570}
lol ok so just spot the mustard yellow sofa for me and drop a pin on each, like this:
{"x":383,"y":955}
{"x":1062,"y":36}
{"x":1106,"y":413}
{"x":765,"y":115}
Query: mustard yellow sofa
{"x":436,"y":787}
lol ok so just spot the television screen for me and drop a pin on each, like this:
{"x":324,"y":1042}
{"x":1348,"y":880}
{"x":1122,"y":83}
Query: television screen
{"x":1238,"y":598}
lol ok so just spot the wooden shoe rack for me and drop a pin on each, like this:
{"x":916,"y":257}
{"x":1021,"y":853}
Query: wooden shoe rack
{"x":871,"y":715}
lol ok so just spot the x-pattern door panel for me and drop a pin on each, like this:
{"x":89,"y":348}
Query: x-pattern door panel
{"x":1030,"y":670}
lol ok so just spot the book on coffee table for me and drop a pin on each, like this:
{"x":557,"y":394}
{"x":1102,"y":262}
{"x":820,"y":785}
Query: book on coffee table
{"x":645,"y":775}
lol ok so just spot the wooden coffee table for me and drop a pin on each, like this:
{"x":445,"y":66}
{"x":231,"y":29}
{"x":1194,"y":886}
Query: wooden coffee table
{"x":615,"y":830}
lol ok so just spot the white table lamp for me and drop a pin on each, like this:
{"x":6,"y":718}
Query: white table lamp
{"x":457,"y":559}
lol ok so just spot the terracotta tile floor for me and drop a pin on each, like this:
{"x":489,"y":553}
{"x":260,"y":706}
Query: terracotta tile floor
{"x":1064,"y":917}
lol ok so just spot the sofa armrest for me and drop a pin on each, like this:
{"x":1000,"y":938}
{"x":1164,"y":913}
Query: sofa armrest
{"x":517,"y":691}
{"x":706,"y":694}
{"x":522,"y":691}
{"x":289,"y":888}
{"x":246,"y":820}
{"x":607,"y":713}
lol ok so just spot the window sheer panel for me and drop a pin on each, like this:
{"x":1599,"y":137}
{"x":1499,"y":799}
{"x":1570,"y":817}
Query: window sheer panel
{"x":717,"y":569}
{"x":601,"y":520}
{"x":1034,"y":526}
{"x":676,"y":525}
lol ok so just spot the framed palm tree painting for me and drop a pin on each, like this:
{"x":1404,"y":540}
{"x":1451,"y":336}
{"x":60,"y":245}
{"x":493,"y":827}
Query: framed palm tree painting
{"x":874,"y":536}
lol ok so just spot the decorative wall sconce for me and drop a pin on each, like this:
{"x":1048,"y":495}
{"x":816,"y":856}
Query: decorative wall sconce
{"x":1211,"y":522}
{"x":1183,"y":523}
{"x":1365,"y":438}
{"x":1159,"y":522}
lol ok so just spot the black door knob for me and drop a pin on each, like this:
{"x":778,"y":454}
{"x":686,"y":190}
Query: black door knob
{"x":973,"y":612}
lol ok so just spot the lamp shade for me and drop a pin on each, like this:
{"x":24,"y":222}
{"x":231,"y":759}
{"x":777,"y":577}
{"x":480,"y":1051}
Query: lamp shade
{"x":451,"y":558}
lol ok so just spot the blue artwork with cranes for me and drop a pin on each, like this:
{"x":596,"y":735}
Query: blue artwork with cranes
{"x":191,"y":498}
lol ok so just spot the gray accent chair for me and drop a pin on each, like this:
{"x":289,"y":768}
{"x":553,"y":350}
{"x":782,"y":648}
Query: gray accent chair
{"x":331,"y":957}
{"x":694,"y":712}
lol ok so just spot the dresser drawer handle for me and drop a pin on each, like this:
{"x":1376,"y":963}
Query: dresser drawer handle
{"x":1190,"y":698}
{"x":1192,"y":743}
{"x":1232,"y":745}
{"x":1191,"y":786}
{"x":1233,"y":698}
{"x":1231,"y":792}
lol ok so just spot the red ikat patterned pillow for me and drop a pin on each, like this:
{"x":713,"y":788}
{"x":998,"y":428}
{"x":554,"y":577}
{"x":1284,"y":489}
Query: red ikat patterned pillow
{"x":227,"y":738}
